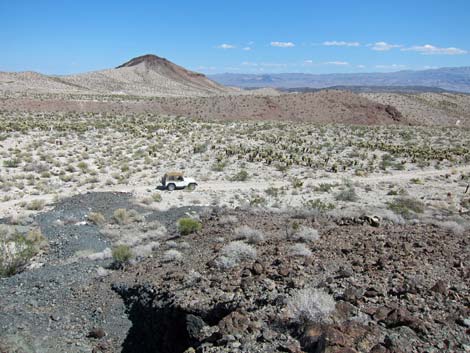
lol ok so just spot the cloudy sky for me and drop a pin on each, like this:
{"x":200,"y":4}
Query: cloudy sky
{"x":61,"y":37}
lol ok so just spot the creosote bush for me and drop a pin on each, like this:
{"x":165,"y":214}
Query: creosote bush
{"x":16,"y":250}
{"x":122,"y":254}
{"x":348,"y":195}
{"x":242,"y":175}
{"x":405,"y":206}
{"x":188,"y":225}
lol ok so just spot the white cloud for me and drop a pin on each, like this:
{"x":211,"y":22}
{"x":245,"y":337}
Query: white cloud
{"x":247,"y":48}
{"x":383,"y":46}
{"x":206,"y":68}
{"x":334,"y":43}
{"x":391,"y":67}
{"x":429,"y":49}
{"x":338,"y":63}
{"x":226,"y":46}
{"x":282,"y":44}
{"x":361,"y":66}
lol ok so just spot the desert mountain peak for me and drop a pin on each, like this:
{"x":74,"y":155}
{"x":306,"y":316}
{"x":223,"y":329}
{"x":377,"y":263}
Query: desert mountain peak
{"x":148,"y":59}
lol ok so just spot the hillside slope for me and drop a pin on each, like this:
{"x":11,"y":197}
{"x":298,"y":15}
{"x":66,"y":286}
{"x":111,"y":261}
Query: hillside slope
{"x":147,"y":75}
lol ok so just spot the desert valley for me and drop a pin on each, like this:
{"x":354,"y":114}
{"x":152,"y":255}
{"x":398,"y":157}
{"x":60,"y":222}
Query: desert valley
{"x":325,"y":219}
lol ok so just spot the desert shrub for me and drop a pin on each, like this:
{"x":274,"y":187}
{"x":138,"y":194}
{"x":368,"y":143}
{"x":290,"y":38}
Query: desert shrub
{"x":235,"y":252}
{"x":171,"y":244}
{"x":201,"y":148}
{"x":96,"y":218}
{"x":318,"y":205}
{"x":83,"y":166}
{"x":251,"y":235}
{"x":228,"y":219}
{"x":242,"y":175}
{"x":306,"y":234}
{"x":347,"y":195}
{"x":218,"y":166}
{"x":299,"y":250}
{"x":147,"y":200}
{"x":172,"y":255}
{"x":145,"y":250}
{"x":282,"y":167}
{"x":123,"y":216}
{"x":406,"y":206}
{"x":11,"y":163}
{"x":272,"y":191}
{"x":122,"y":254}
{"x":257,"y":201}
{"x":156,"y":197}
{"x":310,"y":305}
{"x":188,"y":225}
{"x":452,"y":226}
{"x":35,"y":205}
{"x":416,"y":181}
{"x":324,"y":187}
{"x":297,"y":183}
{"x":36,"y":239}
{"x":16,"y":250}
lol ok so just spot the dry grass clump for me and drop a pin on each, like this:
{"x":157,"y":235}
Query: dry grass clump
{"x":172,"y":255}
{"x":306,"y":234}
{"x":300,"y":249}
{"x":123,"y":216}
{"x":35,"y":205}
{"x":252,"y":236}
{"x":235,"y":252}
{"x":310,"y":305}
{"x":96,"y":218}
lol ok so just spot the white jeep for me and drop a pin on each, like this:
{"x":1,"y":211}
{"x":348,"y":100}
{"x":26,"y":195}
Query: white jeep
{"x":176,"y":180}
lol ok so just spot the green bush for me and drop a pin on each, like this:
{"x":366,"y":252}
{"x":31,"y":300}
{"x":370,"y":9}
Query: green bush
{"x":188,"y":225}
{"x":122,"y":254}
{"x":404,"y":206}
{"x":218,"y":166}
{"x":11,"y":163}
{"x":348,"y":195}
{"x":242,"y":175}
{"x":319,"y":205}
{"x":16,"y":250}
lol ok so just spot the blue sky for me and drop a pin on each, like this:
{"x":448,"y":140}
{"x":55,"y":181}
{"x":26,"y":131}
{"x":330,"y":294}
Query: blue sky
{"x":61,"y":37}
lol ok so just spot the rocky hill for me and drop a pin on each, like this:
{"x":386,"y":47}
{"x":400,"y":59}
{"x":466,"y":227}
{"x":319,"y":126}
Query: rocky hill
{"x":147,"y":75}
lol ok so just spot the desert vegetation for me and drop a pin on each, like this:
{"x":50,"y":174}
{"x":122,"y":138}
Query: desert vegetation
{"x":322,"y":168}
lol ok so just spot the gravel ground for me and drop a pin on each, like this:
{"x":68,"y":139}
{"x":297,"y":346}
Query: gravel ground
{"x":50,"y":308}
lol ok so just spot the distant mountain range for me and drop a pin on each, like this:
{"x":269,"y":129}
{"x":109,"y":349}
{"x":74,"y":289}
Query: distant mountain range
{"x":451,"y":79}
